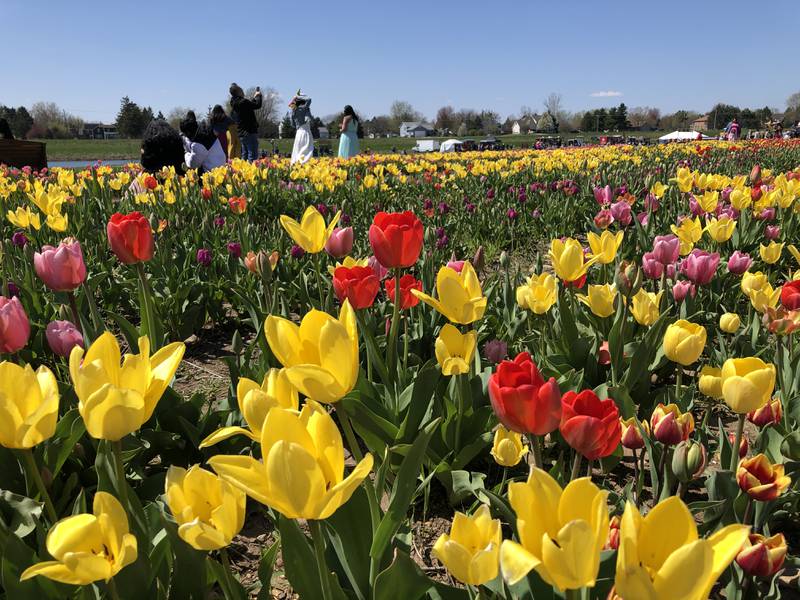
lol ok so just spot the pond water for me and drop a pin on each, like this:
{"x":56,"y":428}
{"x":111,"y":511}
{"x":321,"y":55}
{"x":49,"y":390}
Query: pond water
{"x":80,"y":164}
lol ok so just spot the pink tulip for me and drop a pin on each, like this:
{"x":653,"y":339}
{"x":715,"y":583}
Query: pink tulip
{"x":726,"y":194}
{"x":63,"y":336}
{"x":768,"y":214}
{"x":15,"y":329}
{"x":603,"y":195}
{"x":621,"y":211}
{"x":61,"y":269}
{"x":666,"y":249}
{"x":700,"y":266}
{"x":695,"y":208}
{"x":651,"y":203}
{"x":681,"y":289}
{"x":739,"y":262}
{"x":727,"y":211}
{"x":381,"y":271}
{"x":603,"y":218}
{"x":643,"y":218}
{"x":772,"y":232}
{"x":456,"y":265}
{"x":651,"y":267}
{"x":340,"y":242}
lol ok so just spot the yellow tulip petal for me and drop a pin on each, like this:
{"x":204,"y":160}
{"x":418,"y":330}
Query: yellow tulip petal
{"x":283,"y":337}
{"x":341,"y":492}
{"x":568,"y":561}
{"x":244,"y":472}
{"x":685,"y":571}
{"x":665,"y":529}
{"x":111,"y":413}
{"x":455,"y":557}
{"x":316,"y":383}
{"x":76,"y":532}
{"x":224,"y":433}
{"x":516,"y":562}
{"x":725,"y":545}
{"x":296,"y":481}
{"x":328,"y":443}
{"x":202,"y":537}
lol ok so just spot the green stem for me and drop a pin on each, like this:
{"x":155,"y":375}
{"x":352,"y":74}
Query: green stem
{"x":112,"y":589}
{"x":319,"y":551}
{"x":96,"y":319}
{"x":36,"y":475}
{"x":319,"y":282}
{"x":391,"y":344}
{"x":536,"y":447}
{"x":679,"y":385}
{"x":748,"y":511}
{"x":76,"y":315}
{"x":226,"y":566}
{"x":573,"y":594}
{"x":576,"y":466}
{"x":119,"y":467}
{"x":737,"y":443}
{"x":155,"y":344}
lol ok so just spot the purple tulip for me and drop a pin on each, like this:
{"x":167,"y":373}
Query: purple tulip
{"x":495,"y":351}
{"x":768,"y":214}
{"x":381,"y":272}
{"x":235,"y":249}
{"x":739,"y":262}
{"x":297,"y":251}
{"x":772,"y":232}
{"x":700,"y":266}
{"x":62,"y":337}
{"x":19,"y":239}
{"x":512,"y":214}
{"x":651,"y":203}
{"x":204,"y":256}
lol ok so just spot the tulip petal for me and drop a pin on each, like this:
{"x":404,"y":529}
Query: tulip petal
{"x":224,"y":433}
{"x":112,"y":520}
{"x":78,"y":532}
{"x":163,"y":365}
{"x":92,"y":568}
{"x":454,"y":557}
{"x":516,"y":562}
{"x":296,"y":232}
{"x":201,"y":536}
{"x":283,"y":337}
{"x":569,"y":561}
{"x":316,"y":383}
{"x":295,"y":479}
{"x":111,"y":413}
{"x":685,"y":571}
{"x":244,"y":472}
{"x":328,"y":444}
{"x":666,"y":528}
{"x":725,"y":545}
{"x":341,"y":492}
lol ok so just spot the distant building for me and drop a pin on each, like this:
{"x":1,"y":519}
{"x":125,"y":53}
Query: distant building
{"x":324,"y":134}
{"x":700,"y":124}
{"x":98,"y":131}
{"x":524,"y":125}
{"x":416,"y":129}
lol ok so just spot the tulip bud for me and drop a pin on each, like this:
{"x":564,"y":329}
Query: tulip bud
{"x":479,"y":260}
{"x":760,"y":479}
{"x":495,"y":351}
{"x":628,"y":278}
{"x":504,"y":260}
{"x":762,"y":556}
{"x":744,"y":445}
{"x":612,"y":541}
{"x":729,"y":322}
{"x":264,"y":266}
{"x":688,"y":460}
{"x":755,"y":175}
{"x":769,"y":414}
{"x":237,"y":345}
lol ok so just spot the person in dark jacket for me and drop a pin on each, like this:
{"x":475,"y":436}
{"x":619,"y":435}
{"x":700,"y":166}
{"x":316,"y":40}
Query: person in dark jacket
{"x":5,"y":130}
{"x":202,"y":149}
{"x":244,"y":113}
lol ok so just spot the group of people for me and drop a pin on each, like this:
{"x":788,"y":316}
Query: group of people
{"x":207,"y":144}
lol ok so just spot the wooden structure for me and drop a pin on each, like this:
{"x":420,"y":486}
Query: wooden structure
{"x":22,"y":153}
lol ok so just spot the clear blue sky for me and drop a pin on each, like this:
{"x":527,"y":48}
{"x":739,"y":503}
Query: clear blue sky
{"x":85,"y":55}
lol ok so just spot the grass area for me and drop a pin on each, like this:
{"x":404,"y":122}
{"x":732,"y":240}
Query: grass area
{"x":91,"y":150}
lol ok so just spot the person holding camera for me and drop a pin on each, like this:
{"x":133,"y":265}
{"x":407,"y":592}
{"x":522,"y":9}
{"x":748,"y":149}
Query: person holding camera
{"x":202,"y":148}
{"x":244,"y":113}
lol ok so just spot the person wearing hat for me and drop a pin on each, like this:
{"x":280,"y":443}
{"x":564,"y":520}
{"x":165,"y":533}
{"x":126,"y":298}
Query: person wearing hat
{"x":244,"y":113}
{"x":303,"y":148}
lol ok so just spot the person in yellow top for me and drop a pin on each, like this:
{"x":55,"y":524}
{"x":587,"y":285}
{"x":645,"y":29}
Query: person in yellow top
{"x":226,"y":131}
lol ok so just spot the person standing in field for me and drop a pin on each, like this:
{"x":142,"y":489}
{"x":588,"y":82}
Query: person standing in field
{"x":244,"y":111}
{"x":202,"y":149}
{"x":303,"y":148}
{"x":733,"y":130}
{"x":5,"y":130}
{"x":348,"y":140}
{"x":226,"y":130}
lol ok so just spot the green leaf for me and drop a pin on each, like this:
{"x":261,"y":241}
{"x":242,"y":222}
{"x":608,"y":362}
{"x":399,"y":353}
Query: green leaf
{"x":128,"y":331}
{"x":350,"y":536}
{"x":231,"y":587}
{"x":402,"y":579}
{"x":70,"y":429}
{"x":15,"y":557}
{"x":421,"y":392}
{"x":402,"y":492}
{"x":266,"y":568}
{"x":18,"y":513}
{"x":299,"y":561}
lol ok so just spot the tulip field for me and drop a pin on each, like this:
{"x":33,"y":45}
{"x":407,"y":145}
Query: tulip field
{"x":519,"y":374}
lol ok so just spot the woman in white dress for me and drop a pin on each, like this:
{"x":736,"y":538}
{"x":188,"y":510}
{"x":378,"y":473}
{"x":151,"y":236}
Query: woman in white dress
{"x":303,"y":148}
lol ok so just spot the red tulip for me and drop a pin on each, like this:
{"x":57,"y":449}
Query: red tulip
{"x":357,"y":284}
{"x":130,"y":237}
{"x":790,"y":295}
{"x":396,"y":238}
{"x":590,"y":425}
{"x":61,"y":269}
{"x":521,"y":398}
{"x":761,"y":479}
{"x":15,"y":329}
{"x":407,"y":283}
{"x":762,"y":556}
{"x":770,"y":413}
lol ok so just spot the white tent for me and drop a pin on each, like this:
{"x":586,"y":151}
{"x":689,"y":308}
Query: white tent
{"x":450,"y":145}
{"x":682,"y":136}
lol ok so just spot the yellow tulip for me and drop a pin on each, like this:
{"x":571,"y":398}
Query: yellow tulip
{"x":770,"y":254}
{"x":765,"y":298}
{"x":600,"y":299}
{"x":729,"y":322}
{"x":720,"y":230}
{"x":24,"y":218}
{"x":753,"y":281}
{"x":88,"y":547}
{"x":710,"y":382}
{"x":658,"y":189}
{"x":661,"y":556}
{"x":685,"y":179}
{"x":310,"y":233}
{"x":747,"y":383}
{"x":708,"y":201}
{"x":320,"y":354}
{"x":117,"y":400}
{"x":470,"y":553}
{"x":568,"y":260}
{"x":605,"y":245}
{"x":644,"y":307}
{"x":348,"y":262}
{"x":57,"y":222}
{"x":461,"y":299}
{"x":561,"y":533}
{"x":302,"y":473}
{"x":684,"y":342}
{"x":741,"y":199}
{"x":794,"y":252}
{"x":689,"y":233}
{"x":507,"y":448}
{"x":255,"y":402}
{"x":208,"y":510}
{"x":28,"y":405}
{"x":539,"y":294}
{"x":454,"y":350}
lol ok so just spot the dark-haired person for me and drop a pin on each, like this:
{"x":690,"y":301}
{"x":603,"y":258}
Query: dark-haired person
{"x":201,"y":146}
{"x":303,"y":148}
{"x":161,"y":147}
{"x":227,"y":132}
{"x":244,"y":113}
{"x":348,"y":140}
{"x":5,"y":130}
